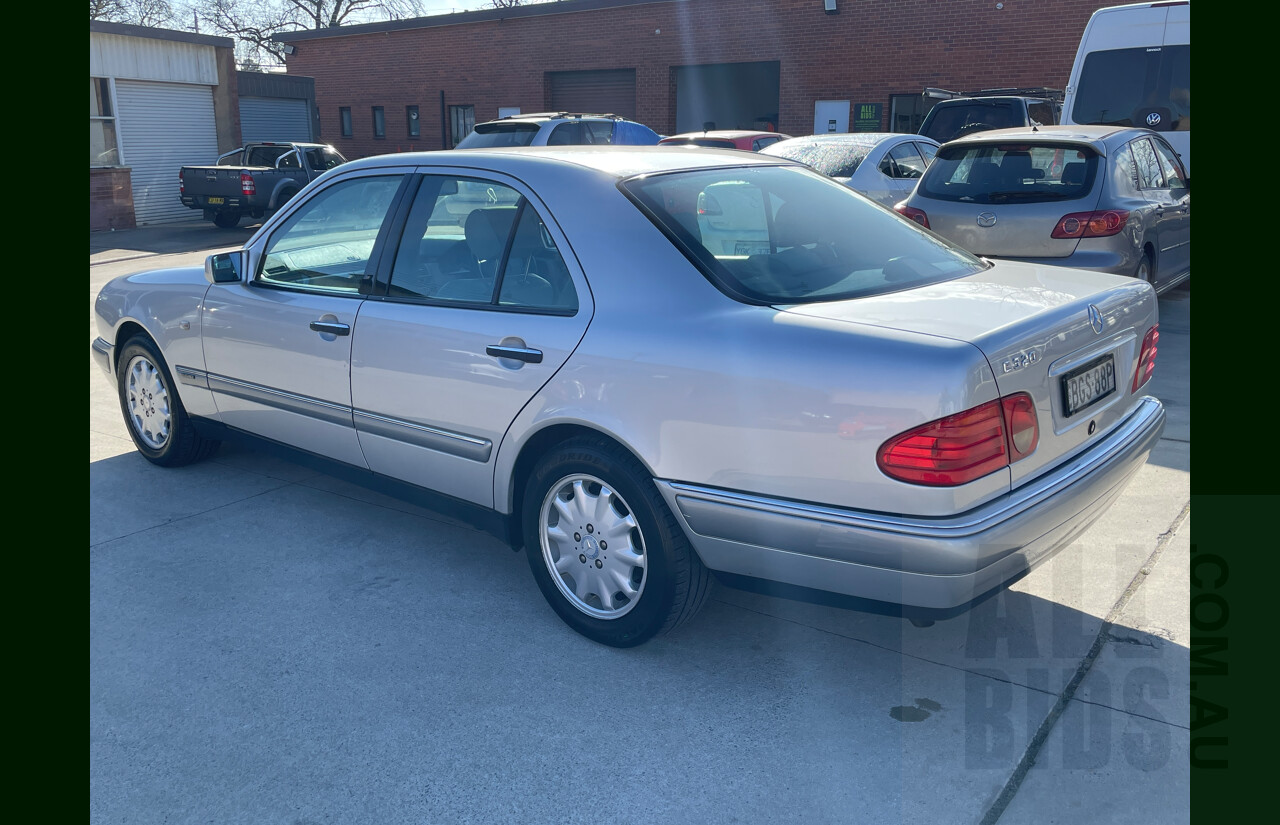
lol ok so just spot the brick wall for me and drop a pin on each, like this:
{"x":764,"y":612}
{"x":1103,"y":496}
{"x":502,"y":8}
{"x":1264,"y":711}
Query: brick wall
{"x":110,"y":199}
{"x":869,"y":51}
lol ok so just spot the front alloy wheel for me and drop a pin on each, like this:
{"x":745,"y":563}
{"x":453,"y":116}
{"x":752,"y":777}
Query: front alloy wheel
{"x":147,"y":401}
{"x":592,"y":546}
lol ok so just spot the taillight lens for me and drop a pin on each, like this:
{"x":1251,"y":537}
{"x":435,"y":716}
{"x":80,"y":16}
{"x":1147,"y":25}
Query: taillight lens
{"x":917,"y":215}
{"x":1022,"y":425}
{"x":960,"y":448}
{"x":247,"y":186}
{"x":1146,"y":358}
{"x":182,"y":186}
{"x":1091,"y":224}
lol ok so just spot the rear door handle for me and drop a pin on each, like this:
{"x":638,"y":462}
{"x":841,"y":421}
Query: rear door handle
{"x":529,"y":356}
{"x":330,"y":327}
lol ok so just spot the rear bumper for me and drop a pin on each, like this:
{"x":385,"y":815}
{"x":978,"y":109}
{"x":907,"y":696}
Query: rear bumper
{"x":1114,"y":261}
{"x":929,"y":563}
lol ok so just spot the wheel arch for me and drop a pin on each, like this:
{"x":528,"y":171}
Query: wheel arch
{"x":543,"y":441}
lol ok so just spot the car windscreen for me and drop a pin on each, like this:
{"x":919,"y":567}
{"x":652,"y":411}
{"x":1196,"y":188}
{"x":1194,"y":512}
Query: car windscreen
{"x":1146,"y":87}
{"x":948,"y":122}
{"x":492,"y":135}
{"x":787,"y":235}
{"x":1010,"y":173}
{"x":837,"y":158}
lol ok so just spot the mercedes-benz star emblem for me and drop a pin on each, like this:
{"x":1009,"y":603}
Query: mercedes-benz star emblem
{"x":986,"y":219}
{"x":1095,"y":319}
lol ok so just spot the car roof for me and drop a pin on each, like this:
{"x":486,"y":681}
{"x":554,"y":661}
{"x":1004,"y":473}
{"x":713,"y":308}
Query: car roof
{"x":614,"y":161}
{"x":1099,"y":138}
{"x":532,"y":116}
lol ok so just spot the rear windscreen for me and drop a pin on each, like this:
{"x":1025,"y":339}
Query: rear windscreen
{"x":266,"y":155}
{"x":833,"y":157}
{"x":1148,"y":87}
{"x":491,"y":135}
{"x":950,"y":122}
{"x":1010,"y":172}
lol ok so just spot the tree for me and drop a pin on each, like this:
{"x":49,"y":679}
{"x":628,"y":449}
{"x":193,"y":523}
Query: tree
{"x":253,"y":23}
{"x":154,"y":13}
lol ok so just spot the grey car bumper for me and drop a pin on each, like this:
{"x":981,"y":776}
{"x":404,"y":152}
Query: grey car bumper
{"x":101,"y":350}
{"x":931,"y":563}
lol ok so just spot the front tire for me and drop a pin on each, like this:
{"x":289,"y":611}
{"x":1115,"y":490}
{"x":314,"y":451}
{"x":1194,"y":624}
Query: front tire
{"x":605,"y":549}
{"x":157,"y":422}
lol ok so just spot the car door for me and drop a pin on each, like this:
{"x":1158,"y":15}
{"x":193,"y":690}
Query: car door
{"x":903,"y":166}
{"x":1174,"y":213}
{"x":1172,"y":204}
{"x":480,"y":306}
{"x":277,"y":346}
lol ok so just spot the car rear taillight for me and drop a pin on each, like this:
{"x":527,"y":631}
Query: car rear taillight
{"x":962,"y":447}
{"x":914,"y":214}
{"x":1146,"y":358}
{"x":182,"y":186}
{"x":247,"y":186}
{"x":1091,"y":224}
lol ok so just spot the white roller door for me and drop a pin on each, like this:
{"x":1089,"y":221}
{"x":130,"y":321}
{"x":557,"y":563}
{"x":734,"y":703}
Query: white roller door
{"x":274,"y":119}
{"x":163,"y":127}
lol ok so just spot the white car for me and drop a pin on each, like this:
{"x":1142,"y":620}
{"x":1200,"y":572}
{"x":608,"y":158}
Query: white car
{"x":881,"y":165}
{"x":559,"y":129}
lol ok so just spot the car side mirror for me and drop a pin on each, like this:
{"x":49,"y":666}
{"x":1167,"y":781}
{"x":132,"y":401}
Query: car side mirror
{"x":224,"y":268}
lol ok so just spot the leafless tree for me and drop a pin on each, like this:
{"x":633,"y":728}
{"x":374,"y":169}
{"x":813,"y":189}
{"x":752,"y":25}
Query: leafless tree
{"x":153,"y":13}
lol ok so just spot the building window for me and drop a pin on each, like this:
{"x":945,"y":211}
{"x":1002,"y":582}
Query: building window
{"x":344,"y":114}
{"x":411,"y":117}
{"x":906,"y":112}
{"x":104,"y":150}
{"x":379,"y":123}
{"x":462,"y":122}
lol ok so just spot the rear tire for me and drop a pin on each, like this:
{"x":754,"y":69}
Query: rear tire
{"x":604,"y":548}
{"x":226,"y":219}
{"x":1145,"y":271}
{"x":157,"y":422}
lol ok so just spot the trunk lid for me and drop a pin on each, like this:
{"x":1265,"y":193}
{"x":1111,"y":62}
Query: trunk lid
{"x":1003,"y":198}
{"x":217,"y":181}
{"x":1033,"y":325}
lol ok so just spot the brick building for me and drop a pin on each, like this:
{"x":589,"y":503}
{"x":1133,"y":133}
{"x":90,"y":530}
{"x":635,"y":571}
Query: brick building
{"x":677,"y":65}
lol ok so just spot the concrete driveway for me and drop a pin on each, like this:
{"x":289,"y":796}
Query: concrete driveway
{"x":271,"y":644}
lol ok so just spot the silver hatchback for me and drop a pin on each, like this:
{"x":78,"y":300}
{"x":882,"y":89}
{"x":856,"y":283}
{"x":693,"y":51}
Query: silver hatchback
{"x":1090,"y":197}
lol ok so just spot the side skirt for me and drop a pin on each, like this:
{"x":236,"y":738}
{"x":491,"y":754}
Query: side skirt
{"x":505,"y":528}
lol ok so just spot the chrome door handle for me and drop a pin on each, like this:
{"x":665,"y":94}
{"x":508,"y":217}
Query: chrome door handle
{"x":529,"y":356}
{"x":330,"y":327}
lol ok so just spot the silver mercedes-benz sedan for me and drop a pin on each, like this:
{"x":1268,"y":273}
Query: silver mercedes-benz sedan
{"x":541,"y":342}
{"x":1092,"y":197}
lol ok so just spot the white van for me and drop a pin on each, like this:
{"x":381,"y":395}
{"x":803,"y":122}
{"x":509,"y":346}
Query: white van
{"x":1134,"y":69}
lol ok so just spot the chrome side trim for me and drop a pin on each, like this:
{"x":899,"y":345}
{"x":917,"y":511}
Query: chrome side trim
{"x":1148,"y":414}
{"x":420,"y":435}
{"x":300,"y":404}
{"x":194,"y":377}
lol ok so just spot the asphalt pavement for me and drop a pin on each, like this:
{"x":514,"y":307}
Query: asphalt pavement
{"x":272,"y":644}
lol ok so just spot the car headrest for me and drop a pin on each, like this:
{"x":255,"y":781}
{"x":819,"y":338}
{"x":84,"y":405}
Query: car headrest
{"x":487,"y":229}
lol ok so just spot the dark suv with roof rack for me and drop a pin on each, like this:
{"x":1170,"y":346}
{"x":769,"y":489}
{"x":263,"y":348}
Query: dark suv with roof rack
{"x":968,"y":112}
{"x":558,"y":129}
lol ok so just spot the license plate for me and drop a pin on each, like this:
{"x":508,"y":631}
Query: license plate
{"x":217,"y":201}
{"x":751,"y":248}
{"x":1085,"y":386}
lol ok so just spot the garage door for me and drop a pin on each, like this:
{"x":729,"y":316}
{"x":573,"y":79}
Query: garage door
{"x":274,"y":119}
{"x":611,"y":91}
{"x":163,"y":127}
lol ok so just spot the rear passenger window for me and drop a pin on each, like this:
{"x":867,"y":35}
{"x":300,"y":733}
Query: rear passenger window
{"x":1147,"y":172}
{"x":1041,"y":113}
{"x":477,"y":242}
{"x":903,"y":162}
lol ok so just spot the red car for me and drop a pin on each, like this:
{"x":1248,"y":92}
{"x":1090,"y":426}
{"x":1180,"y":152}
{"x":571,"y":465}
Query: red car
{"x":726,"y":139}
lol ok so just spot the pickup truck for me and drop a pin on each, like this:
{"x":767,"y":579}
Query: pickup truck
{"x":253,"y":180}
